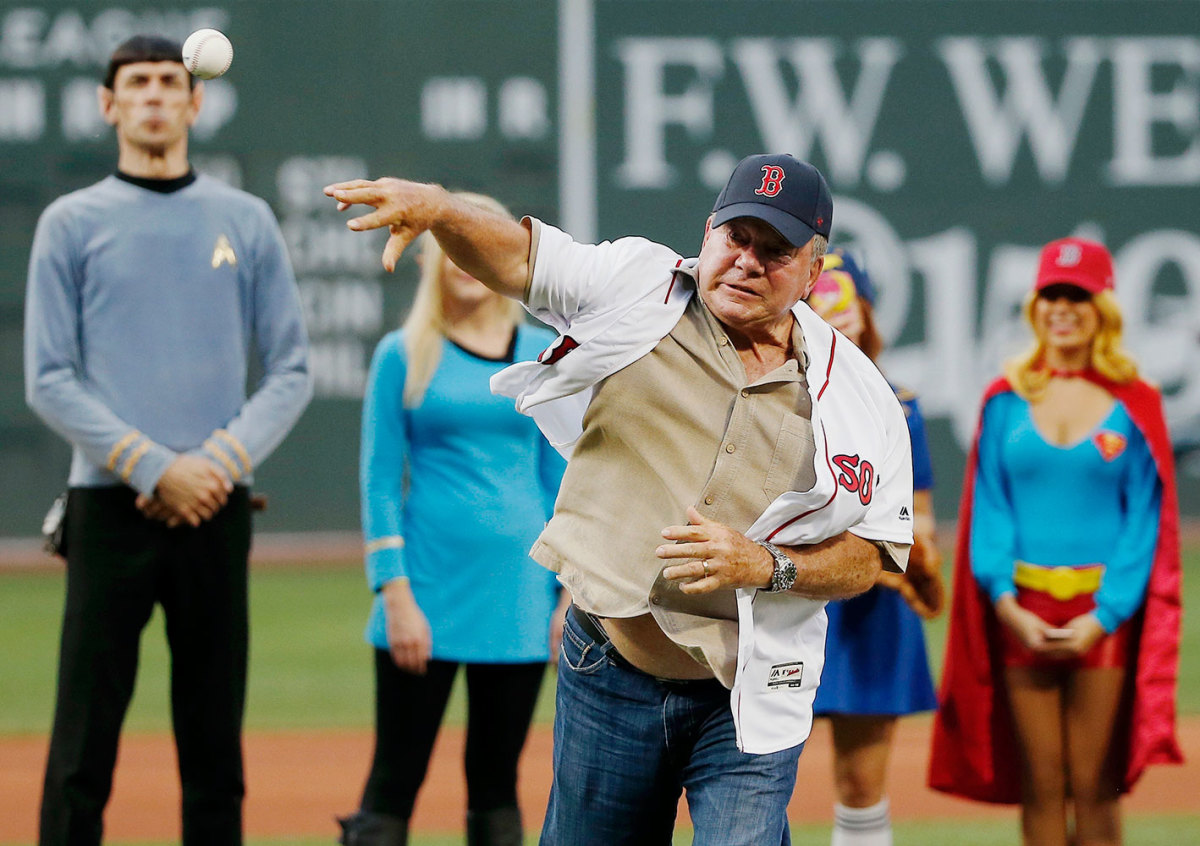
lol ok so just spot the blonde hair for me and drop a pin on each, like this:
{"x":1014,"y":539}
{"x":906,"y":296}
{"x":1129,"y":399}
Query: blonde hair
{"x":426,"y":325}
{"x":1029,"y":374}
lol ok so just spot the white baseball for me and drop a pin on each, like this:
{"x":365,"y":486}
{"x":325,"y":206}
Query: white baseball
{"x":207,"y":53}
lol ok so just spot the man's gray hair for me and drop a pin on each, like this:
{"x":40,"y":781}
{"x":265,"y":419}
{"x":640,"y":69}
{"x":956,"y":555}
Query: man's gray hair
{"x":820,"y":245}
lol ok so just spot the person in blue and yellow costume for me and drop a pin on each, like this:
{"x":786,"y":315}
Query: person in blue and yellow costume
{"x":876,"y":668}
{"x":1062,"y":655}
{"x":456,"y":486}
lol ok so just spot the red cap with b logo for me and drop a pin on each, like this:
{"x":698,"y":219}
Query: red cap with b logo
{"x":1075,"y":261}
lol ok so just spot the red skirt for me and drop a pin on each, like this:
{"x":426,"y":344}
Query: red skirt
{"x":1112,"y":650}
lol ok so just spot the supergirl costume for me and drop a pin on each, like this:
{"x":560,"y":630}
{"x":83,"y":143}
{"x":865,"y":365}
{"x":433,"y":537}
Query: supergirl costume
{"x":1089,"y":527}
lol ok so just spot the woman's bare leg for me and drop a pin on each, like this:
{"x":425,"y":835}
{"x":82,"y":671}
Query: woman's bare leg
{"x":861,"y":745}
{"x":1093,"y":698}
{"x":1036,"y":697}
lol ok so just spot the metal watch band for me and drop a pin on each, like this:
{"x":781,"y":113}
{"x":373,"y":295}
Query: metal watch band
{"x":785,"y":569}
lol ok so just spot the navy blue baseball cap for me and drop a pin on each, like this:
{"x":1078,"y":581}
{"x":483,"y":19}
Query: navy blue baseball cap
{"x":781,"y":190}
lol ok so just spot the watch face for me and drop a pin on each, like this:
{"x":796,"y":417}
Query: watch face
{"x":785,"y":570}
{"x":787,"y":576}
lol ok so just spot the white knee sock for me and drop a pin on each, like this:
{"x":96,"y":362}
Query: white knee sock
{"x":862,"y":826}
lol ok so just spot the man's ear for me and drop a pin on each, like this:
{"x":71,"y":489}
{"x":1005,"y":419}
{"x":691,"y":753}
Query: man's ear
{"x":104,"y":98}
{"x":197,"y":102}
{"x":707,"y":230}
{"x":814,"y":273}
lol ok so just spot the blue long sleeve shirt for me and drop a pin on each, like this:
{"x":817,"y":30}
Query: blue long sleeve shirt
{"x":1095,"y":502}
{"x":142,"y":313}
{"x":454,"y":493}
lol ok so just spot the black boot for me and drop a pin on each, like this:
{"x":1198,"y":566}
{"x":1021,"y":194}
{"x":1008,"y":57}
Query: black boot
{"x":367,"y":828}
{"x":497,"y":827}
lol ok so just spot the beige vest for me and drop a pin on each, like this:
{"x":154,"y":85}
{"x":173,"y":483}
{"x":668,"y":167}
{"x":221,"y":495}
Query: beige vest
{"x":678,"y":427}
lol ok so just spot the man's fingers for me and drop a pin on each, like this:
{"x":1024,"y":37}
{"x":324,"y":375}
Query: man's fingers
{"x":698,"y":519}
{"x":371,"y":220}
{"x":395,"y":247}
{"x":689,"y":570}
{"x":703,"y":581}
{"x":685,"y":533}
{"x":681,"y":550}
{"x":351,"y":185}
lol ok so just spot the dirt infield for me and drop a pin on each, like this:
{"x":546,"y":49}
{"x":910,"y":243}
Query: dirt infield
{"x":298,"y":781}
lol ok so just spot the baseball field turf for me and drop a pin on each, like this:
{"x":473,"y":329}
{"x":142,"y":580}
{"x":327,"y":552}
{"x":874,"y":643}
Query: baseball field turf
{"x":311,"y":670}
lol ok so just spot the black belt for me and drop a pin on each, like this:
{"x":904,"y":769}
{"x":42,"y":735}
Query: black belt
{"x":592,"y":629}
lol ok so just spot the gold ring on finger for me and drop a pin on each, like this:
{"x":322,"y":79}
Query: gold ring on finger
{"x":704,"y":564}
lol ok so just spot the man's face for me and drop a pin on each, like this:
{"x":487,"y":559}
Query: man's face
{"x":750,"y":276}
{"x":151,"y":104}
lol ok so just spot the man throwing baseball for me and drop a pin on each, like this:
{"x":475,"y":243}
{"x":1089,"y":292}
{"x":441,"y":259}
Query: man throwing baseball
{"x":149,"y":292}
{"x":734,"y":463}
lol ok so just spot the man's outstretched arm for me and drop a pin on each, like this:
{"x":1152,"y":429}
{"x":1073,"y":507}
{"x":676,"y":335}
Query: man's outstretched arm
{"x":492,"y":248}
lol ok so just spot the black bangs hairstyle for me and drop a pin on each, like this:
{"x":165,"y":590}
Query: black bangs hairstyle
{"x":144,"y":48}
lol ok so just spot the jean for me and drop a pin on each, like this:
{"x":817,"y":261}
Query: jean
{"x":626,"y":745}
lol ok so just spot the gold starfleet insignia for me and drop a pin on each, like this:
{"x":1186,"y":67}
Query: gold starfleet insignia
{"x":223,"y":253}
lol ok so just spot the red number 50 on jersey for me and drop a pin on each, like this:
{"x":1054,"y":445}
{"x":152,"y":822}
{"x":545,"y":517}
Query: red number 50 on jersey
{"x":857,"y":476}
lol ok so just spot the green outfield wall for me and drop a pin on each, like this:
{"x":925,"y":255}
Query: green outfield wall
{"x":957,"y":136}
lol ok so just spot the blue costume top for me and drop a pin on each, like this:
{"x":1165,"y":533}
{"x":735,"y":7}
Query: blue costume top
{"x":454,"y":493}
{"x":144,"y":310}
{"x":1096,"y":502}
{"x":875,"y":658}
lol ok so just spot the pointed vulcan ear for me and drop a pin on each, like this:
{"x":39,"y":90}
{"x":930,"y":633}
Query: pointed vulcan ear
{"x":197,"y":102}
{"x":104,"y":97}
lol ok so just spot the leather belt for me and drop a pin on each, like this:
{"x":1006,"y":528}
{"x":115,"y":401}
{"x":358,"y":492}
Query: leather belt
{"x":593,"y":630}
{"x":1062,"y":583}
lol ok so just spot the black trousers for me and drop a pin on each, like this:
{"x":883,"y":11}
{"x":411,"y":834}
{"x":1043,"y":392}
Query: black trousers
{"x":408,"y":710}
{"x":119,"y":565}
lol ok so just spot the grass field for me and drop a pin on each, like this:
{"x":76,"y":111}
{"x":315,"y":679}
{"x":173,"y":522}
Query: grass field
{"x":1168,"y":831}
{"x":311,"y":669}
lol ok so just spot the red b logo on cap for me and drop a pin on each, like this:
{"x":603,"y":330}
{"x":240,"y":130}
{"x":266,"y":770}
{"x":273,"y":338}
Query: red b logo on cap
{"x":772,"y":182}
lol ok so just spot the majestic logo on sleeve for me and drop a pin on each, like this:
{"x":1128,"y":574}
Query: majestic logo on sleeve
{"x":857,"y":476}
{"x":1109,"y":444}
{"x":223,"y":253}
{"x":785,"y":676}
{"x":772,"y":182}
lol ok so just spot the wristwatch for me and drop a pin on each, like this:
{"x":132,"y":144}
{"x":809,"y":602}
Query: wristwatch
{"x":785,"y":569}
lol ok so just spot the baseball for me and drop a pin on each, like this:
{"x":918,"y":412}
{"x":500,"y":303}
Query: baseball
{"x":207,"y":53}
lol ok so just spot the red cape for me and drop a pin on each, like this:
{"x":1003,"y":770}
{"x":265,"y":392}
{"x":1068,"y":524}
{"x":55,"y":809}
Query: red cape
{"x":974,"y":751}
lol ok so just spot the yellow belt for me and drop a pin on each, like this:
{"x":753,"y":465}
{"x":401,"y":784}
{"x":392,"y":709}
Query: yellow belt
{"x":1062,"y":583}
